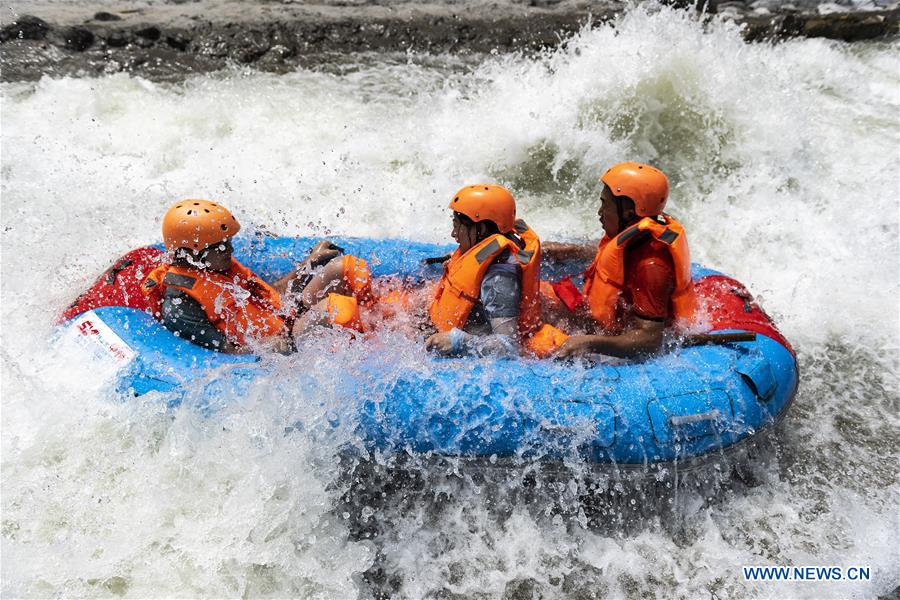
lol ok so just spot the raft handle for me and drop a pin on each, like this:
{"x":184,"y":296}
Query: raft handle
{"x":435,"y":260}
{"x":757,"y":374}
{"x":703,"y":339}
{"x":679,"y":421}
{"x":111,"y":276}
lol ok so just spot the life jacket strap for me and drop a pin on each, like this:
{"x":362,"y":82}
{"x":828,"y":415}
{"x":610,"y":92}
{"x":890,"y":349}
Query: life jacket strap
{"x":627,"y":235}
{"x":461,"y":293}
{"x":488,"y":251}
{"x":668,"y":236}
{"x":179,"y":280}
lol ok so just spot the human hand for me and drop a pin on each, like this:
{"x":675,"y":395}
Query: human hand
{"x":281,"y":345}
{"x":441,"y":343}
{"x":577,"y":345}
{"x":323,"y":252}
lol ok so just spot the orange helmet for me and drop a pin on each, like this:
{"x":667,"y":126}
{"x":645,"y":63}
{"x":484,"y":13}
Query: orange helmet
{"x":647,"y":186}
{"x":197,"y":225}
{"x":486,"y":202}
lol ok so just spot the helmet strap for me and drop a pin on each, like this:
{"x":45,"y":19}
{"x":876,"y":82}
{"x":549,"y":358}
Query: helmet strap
{"x":623,"y":224}
{"x":484,"y":230}
{"x":187,"y":257}
{"x":480,"y":232}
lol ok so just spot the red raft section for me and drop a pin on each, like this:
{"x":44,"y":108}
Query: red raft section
{"x":731,"y":306}
{"x":120,"y":284}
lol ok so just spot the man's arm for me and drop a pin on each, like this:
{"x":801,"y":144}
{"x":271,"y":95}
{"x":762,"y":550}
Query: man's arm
{"x":646,"y":338}
{"x":321,"y":254}
{"x":559,"y":251}
{"x":653,"y":283}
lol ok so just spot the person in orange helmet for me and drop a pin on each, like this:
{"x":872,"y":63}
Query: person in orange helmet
{"x":206,"y":296}
{"x":639,"y":282}
{"x":487,"y":300}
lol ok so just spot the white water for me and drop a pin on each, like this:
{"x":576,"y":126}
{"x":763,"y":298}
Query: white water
{"x":785,"y":168}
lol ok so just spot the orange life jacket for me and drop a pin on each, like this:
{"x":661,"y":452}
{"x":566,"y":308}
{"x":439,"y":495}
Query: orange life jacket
{"x":545,"y":341}
{"x":605,"y":278}
{"x":459,"y":289}
{"x":358,"y":278}
{"x":237,"y":302}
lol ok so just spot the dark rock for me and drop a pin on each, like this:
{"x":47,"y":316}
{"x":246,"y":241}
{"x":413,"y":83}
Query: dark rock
{"x":720,"y":6}
{"x":756,"y":30}
{"x":279,"y":36}
{"x":179,"y":41}
{"x":788,"y":25}
{"x":106,"y":16}
{"x":731,"y":7}
{"x":117,"y":39}
{"x":148,"y":33}
{"x":850,"y":27}
{"x":249,"y":46}
{"x":211,"y":45}
{"x":280,"y":53}
{"x":77,"y":39}
{"x":26,"y":27}
{"x":275,"y":58}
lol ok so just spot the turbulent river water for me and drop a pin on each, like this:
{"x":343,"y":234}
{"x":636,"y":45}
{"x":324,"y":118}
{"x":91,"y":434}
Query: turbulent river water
{"x":784,"y":162}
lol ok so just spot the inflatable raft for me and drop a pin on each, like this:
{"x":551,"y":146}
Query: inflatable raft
{"x":688,"y":403}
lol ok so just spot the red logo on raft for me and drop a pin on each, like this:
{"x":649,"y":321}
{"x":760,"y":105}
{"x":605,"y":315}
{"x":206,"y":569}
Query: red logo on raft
{"x":87,"y":328}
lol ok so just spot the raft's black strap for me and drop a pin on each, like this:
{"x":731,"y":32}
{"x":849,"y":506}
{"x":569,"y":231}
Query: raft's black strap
{"x":180,"y":280}
{"x":435,"y":260}
{"x":111,"y":277}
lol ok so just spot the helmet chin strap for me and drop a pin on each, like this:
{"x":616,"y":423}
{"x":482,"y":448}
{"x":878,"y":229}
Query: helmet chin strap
{"x":480,"y":232}
{"x":195,"y":260}
{"x":623,"y":225}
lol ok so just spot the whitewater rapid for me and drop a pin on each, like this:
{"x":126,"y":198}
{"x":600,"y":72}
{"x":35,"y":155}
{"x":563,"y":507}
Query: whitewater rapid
{"x":784,"y":163}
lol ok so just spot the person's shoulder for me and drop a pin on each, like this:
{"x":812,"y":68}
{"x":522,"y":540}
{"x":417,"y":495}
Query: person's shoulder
{"x":503,"y":268}
{"x":501,"y":278}
{"x":653,"y":255}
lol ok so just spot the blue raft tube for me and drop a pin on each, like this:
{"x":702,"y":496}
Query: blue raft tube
{"x":682,"y":406}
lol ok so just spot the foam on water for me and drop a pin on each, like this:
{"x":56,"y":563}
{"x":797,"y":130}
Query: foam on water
{"x":784,"y":166}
